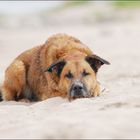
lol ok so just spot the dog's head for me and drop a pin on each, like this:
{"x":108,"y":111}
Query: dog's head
{"x":77,"y":77}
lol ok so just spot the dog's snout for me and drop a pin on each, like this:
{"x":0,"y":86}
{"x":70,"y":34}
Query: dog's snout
{"x":78,"y":90}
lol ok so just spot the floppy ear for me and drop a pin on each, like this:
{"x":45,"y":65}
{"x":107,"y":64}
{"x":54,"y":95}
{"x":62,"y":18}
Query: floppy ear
{"x":96,"y":62}
{"x":57,"y":67}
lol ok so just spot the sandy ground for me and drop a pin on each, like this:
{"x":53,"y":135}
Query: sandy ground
{"x":115,"y":114}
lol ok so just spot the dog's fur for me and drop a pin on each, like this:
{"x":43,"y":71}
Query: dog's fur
{"x":50,"y":69}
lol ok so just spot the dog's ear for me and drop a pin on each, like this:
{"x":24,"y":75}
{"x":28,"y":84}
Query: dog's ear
{"x":96,"y":62}
{"x":57,"y":67}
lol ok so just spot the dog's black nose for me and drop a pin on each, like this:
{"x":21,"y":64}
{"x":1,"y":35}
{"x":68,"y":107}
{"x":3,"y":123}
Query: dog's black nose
{"x":77,"y":88}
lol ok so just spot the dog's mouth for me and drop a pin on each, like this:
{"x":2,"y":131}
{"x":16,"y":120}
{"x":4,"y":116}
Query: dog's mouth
{"x":78,"y":97}
{"x":74,"y":97}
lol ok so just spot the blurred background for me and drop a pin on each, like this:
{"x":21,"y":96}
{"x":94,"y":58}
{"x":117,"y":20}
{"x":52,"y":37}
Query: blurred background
{"x":110,"y":28}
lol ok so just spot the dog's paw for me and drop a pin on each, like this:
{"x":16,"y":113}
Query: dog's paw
{"x":96,"y":91}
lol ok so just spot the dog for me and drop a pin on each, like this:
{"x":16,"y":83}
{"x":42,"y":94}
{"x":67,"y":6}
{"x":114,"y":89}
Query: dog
{"x":62,"y":66}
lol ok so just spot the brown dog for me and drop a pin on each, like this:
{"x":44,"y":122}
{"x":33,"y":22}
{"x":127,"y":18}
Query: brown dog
{"x":63,"y":66}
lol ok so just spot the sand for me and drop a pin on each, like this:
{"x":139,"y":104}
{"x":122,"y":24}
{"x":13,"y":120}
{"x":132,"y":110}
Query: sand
{"x":115,"y":114}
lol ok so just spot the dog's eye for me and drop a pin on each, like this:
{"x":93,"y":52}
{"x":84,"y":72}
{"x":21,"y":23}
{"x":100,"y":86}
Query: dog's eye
{"x":85,"y":73}
{"x":69,"y":75}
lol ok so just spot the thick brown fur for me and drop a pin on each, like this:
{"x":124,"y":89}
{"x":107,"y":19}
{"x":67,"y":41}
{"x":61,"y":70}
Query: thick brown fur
{"x":26,"y":76}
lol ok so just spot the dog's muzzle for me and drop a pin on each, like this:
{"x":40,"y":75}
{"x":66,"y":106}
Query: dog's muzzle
{"x":78,"y":90}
